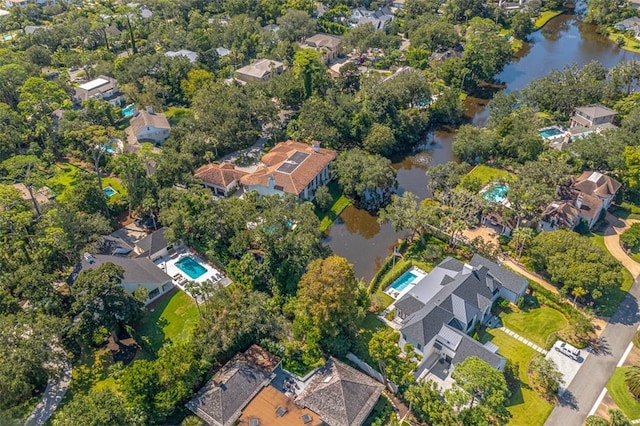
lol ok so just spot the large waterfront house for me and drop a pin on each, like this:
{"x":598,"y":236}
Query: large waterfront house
{"x":592,"y":116}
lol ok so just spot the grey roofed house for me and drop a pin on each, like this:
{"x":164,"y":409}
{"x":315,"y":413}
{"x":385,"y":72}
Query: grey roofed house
{"x":508,"y":279}
{"x":271,"y":27}
{"x":189,"y":54}
{"x":629,"y":24}
{"x":591,"y":115}
{"x":221,"y":400}
{"x":136,"y":270}
{"x":340,"y":395}
{"x":222,"y":51}
{"x":152,"y":243}
{"x":465,"y":347}
{"x":260,"y":69}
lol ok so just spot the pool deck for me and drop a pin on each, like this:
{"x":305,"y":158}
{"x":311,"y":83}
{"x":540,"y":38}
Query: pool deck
{"x":212,"y":275}
{"x":419,"y":273}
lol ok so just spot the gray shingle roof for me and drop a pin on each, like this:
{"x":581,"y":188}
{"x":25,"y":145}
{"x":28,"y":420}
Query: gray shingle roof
{"x":423,"y":326}
{"x":409,"y":304}
{"x":138,"y":271}
{"x":507,"y":279}
{"x":468,"y":347}
{"x":341,"y":395}
{"x":152,"y":243}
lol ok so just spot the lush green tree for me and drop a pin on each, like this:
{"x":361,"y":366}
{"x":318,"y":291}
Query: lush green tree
{"x":134,"y":178}
{"x":435,"y":35}
{"x":28,"y":359}
{"x":196,"y":79}
{"x":323,"y":198}
{"x":448,"y":108}
{"x":631,"y":170}
{"x":16,"y":219}
{"x":545,"y":376}
{"x":330,"y":305}
{"x":631,"y":237}
{"x":27,"y":169}
{"x":521,"y":24}
{"x":349,"y":81}
{"x":589,"y":154}
{"x":429,"y":406}
{"x":473,"y":144}
{"x":444,"y":177}
{"x":139,"y":384}
{"x":392,"y":363}
{"x":380,"y":140}
{"x":406,"y":213}
{"x":97,"y":408}
{"x":100,"y":301}
{"x":481,"y":388}
{"x":486,"y":51}
{"x":308,"y":66}
{"x":604,"y":11}
{"x":632,"y":380}
{"x":367,"y":179}
{"x":12,"y":77}
{"x":295,"y":25}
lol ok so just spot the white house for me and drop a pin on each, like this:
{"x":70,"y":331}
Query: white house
{"x":148,"y":126}
{"x":262,"y":69}
{"x":103,"y":87}
{"x":223,"y":179}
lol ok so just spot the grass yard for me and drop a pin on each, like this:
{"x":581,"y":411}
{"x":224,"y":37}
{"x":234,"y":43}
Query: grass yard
{"x":173,"y":320}
{"x":618,"y":390}
{"x":598,"y":239}
{"x":608,"y":306}
{"x":177,"y":114}
{"x":370,"y":325}
{"x":535,"y":324}
{"x":66,"y":176}
{"x":545,"y":17}
{"x":91,"y":371}
{"x":339,"y":203}
{"x":525,"y":406}
{"x":629,"y":43}
{"x":484,"y":174}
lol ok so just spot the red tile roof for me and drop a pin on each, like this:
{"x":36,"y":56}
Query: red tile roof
{"x":220,"y":175}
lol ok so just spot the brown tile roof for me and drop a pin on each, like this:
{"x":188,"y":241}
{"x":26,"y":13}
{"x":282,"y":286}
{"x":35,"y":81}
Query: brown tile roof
{"x":340,"y":394}
{"x":144,"y":119}
{"x":296,"y":181}
{"x":320,"y":40}
{"x":221,"y":400}
{"x":220,"y":175}
{"x":596,"y":183}
{"x":264,"y":405}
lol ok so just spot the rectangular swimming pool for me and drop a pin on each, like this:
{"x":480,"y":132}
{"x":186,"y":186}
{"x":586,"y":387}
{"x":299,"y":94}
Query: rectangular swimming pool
{"x":404,"y":280}
{"x":109,"y":191}
{"x":550,"y":132}
{"x":191,"y":267}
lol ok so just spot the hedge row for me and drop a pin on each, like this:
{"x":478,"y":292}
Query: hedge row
{"x":386,"y":266}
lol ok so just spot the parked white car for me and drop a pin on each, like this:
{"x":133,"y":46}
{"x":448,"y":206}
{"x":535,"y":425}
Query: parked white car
{"x":568,"y":350}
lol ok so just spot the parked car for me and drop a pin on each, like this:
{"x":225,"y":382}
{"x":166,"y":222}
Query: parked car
{"x":568,"y":350}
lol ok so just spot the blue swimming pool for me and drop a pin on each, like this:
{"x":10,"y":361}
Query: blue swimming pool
{"x":191,"y":267}
{"x":404,"y":280}
{"x":496,"y":194}
{"x":128,"y":110}
{"x":109,"y":191}
{"x":550,"y":132}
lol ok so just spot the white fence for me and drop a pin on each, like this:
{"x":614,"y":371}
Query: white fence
{"x":371,"y":371}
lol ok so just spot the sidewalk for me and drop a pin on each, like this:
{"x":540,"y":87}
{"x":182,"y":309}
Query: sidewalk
{"x":51,"y":398}
{"x":525,"y":341}
{"x":530,"y":275}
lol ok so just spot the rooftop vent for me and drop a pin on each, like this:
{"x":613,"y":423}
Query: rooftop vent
{"x":306,"y":418}
{"x":281,"y":411}
{"x":254,"y":422}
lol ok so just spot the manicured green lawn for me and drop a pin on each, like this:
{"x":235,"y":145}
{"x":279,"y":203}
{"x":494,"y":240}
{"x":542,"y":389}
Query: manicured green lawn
{"x":598,"y":239}
{"x":525,"y":406}
{"x":630,"y":43}
{"x":114,"y":183}
{"x":173,"y":320}
{"x":370,"y":325}
{"x":176,"y":114}
{"x":545,"y":17}
{"x":535,"y":324}
{"x":485,"y":174}
{"x":618,"y":390}
{"x":340,"y":202}
{"x":66,"y":176}
{"x":608,"y":306}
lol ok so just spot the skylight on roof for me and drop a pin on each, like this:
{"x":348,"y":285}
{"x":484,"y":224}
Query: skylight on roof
{"x":595,"y":177}
{"x":306,"y":418}
{"x":281,"y":411}
{"x":254,"y":422}
{"x":93,"y":84}
{"x":293,"y":162}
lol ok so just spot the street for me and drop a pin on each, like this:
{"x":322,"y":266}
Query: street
{"x":585,"y":388}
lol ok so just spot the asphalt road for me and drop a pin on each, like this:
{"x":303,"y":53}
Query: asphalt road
{"x":598,"y":367}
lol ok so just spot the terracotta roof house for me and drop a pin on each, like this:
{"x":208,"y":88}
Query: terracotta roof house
{"x":293,"y":168}
{"x":260,"y":70}
{"x":221,"y":401}
{"x":591,"y":116}
{"x":148,"y":126}
{"x":436,"y":314}
{"x":341,"y":395}
{"x":103,"y":87}
{"x":272,"y":407}
{"x":223,"y":178}
{"x":585,"y":199}
{"x":330,"y":46}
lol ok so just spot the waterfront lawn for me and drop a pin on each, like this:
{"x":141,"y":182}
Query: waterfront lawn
{"x":484,"y":174}
{"x":629,"y":43}
{"x":618,"y":390}
{"x":173,"y":320}
{"x":534,"y":324}
{"x":545,"y":17}
{"x":525,"y":406}
{"x":338,"y":204}
{"x":370,"y":325}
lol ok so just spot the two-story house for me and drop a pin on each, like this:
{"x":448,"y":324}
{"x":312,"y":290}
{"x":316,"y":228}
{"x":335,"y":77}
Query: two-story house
{"x":103,"y":87}
{"x":259,"y":70}
{"x":292,"y":168}
{"x":148,"y":126}
{"x":329,"y":46}
{"x":446,"y":304}
{"x":591,"y":116}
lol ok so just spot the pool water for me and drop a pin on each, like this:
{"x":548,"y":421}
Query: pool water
{"x":128,"y":110}
{"x":404,"y":280}
{"x":7,"y":37}
{"x":549,"y":133}
{"x":109,"y":191}
{"x":191,"y":267}
{"x":496,"y":194}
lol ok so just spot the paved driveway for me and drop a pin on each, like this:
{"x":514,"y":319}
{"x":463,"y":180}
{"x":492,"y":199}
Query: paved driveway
{"x":585,"y":388}
{"x":567,"y":366}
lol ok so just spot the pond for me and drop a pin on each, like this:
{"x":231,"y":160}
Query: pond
{"x":357,"y":236}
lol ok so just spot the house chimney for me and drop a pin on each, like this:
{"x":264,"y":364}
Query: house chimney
{"x":150,"y":109}
{"x":579,"y":201}
{"x":315,"y":145}
{"x":136,"y":112}
{"x":272,"y":182}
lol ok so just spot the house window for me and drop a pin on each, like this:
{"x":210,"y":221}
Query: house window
{"x":419,"y":346}
{"x":154,"y":293}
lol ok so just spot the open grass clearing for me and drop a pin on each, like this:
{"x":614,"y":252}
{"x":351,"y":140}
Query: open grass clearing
{"x":525,"y":406}
{"x":338,"y":204}
{"x":173,"y":320}
{"x":484,"y":174}
{"x":618,"y":390}
{"x":623,"y":40}
{"x":545,"y":17}
{"x":370,"y":325}
{"x":534,"y":324}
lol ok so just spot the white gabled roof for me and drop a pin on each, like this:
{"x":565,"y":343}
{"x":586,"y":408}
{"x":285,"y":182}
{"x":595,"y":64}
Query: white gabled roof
{"x":93,"y":84}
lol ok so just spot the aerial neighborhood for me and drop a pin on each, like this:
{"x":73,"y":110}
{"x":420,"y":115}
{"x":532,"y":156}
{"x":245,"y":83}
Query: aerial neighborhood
{"x":407,"y":212}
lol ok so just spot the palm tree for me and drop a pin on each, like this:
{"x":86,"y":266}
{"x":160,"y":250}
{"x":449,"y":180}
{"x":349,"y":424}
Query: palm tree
{"x":632,"y":379}
{"x":194,"y":291}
